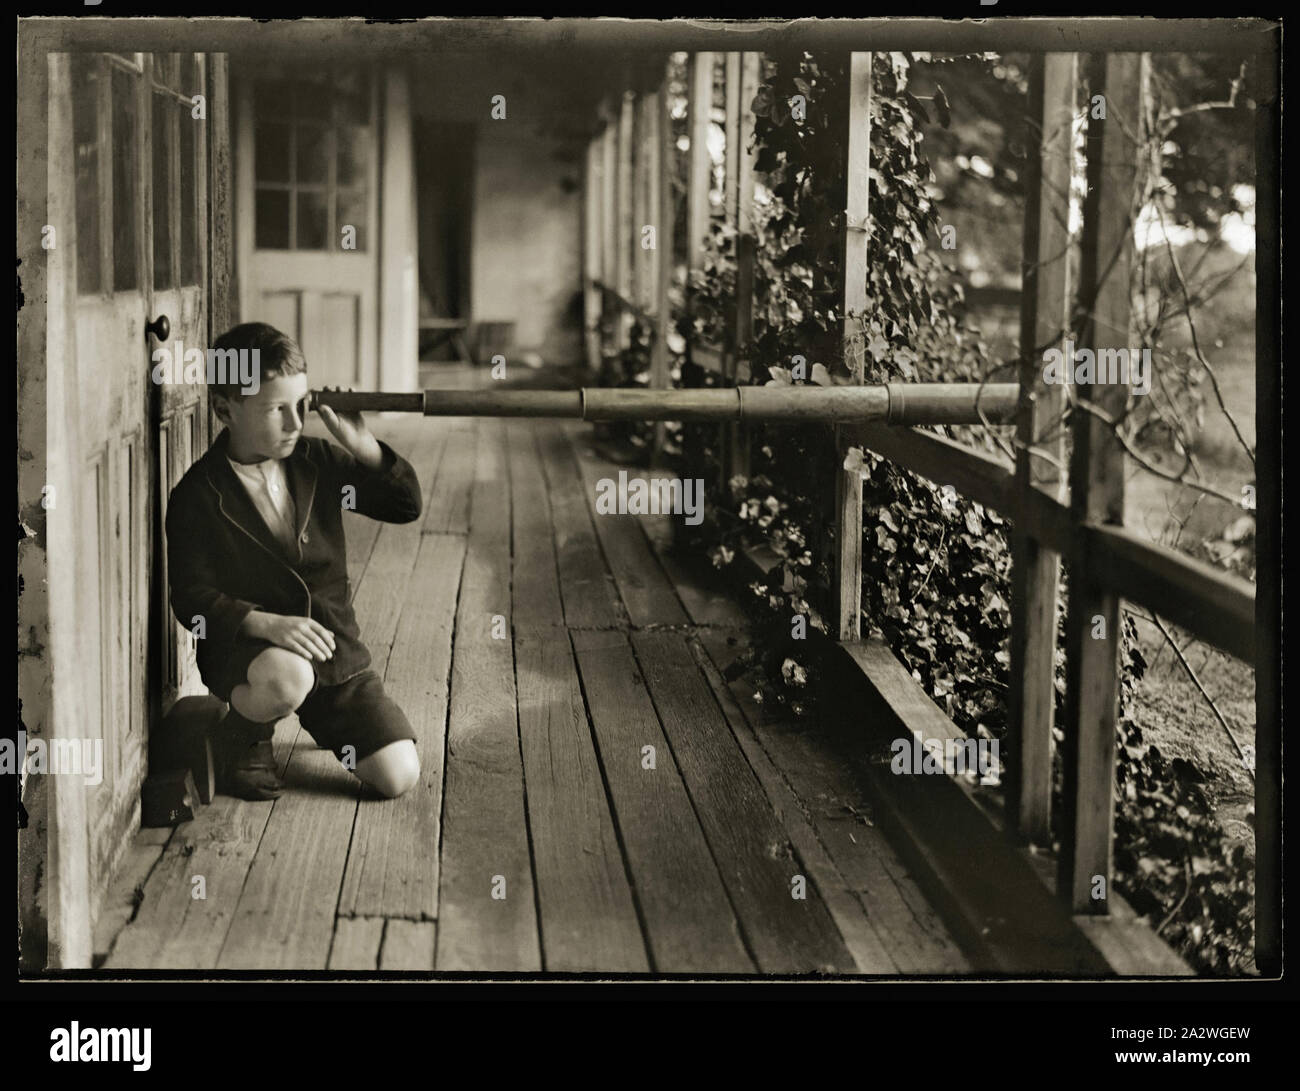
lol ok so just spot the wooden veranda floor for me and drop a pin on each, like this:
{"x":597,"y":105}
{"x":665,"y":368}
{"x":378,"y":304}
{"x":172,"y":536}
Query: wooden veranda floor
{"x":537,"y":838}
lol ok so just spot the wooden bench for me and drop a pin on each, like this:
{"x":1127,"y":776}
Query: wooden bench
{"x":449,"y":329}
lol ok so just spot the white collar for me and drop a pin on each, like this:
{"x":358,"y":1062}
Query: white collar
{"x":261,"y":469}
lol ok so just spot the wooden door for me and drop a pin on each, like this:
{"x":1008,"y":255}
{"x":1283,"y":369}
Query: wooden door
{"x":135,"y":162}
{"x":307,"y":178}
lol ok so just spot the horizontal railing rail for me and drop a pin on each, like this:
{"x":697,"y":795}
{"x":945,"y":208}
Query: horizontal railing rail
{"x":1213,"y":605}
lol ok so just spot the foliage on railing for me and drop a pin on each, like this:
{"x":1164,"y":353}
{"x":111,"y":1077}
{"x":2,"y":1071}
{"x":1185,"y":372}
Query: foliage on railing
{"x":1172,"y":860}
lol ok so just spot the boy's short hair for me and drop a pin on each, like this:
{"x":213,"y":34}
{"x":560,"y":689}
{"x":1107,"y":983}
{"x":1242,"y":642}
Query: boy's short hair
{"x":277,"y":354}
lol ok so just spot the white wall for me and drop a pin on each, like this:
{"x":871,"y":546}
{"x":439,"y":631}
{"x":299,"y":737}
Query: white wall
{"x":526,"y":233}
{"x":527,"y":242}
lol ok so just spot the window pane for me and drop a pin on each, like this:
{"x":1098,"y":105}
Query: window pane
{"x":126,"y":200}
{"x":313,"y":221}
{"x":272,"y":100}
{"x":271,"y":156}
{"x":352,"y":212}
{"x":87,"y":82}
{"x":272,"y":230}
{"x":354,"y":154}
{"x":163,"y":109}
{"x":191,"y":211}
{"x":353,"y":93}
{"x":313,"y":155}
{"x":313,"y":145}
{"x":313,"y":100}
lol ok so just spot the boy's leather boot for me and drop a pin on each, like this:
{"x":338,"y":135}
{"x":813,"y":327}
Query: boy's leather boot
{"x":245,"y":762}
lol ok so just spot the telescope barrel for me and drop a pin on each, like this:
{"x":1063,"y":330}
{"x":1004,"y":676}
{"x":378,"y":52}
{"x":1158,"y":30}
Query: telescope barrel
{"x":892,"y":403}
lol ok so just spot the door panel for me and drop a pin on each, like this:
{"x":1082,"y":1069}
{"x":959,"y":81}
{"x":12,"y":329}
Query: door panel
{"x":280,"y":309}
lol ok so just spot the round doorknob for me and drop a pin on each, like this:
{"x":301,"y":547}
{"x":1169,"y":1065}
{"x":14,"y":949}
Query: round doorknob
{"x":160,"y":327}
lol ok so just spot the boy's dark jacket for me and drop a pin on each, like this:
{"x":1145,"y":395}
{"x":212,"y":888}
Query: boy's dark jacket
{"x":224,"y":562}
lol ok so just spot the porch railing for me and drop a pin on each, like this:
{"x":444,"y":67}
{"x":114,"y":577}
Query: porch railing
{"x":1107,"y":563}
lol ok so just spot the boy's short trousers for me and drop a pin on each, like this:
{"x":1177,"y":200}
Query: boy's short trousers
{"x":356,"y":713}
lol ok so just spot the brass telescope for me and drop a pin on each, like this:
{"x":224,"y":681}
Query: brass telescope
{"x":887,"y":403}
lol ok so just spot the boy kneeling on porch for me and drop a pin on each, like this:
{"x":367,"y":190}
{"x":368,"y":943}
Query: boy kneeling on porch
{"x":255,"y":548}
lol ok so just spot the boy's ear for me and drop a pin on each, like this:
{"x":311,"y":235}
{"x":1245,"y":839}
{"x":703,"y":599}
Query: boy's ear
{"x":221,"y":407}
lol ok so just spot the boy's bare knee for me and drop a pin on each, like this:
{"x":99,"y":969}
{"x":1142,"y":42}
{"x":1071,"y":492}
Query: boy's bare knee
{"x":392,"y":770}
{"x":281,"y":677}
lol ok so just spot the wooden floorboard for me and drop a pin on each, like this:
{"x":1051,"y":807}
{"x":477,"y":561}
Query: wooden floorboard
{"x":487,"y":917}
{"x":356,"y":943}
{"x":701,"y":593}
{"x":587,"y":588}
{"x":591,"y":798}
{"x":535,"y":583}
{"x":875,"y":904}
{"x":787,"y":933}
{"x":360,"y":534}
{"x":173,"y":928}
{"x":447,"y":511}
{"x":383,"y":589}
{"x":870,"y":954}
{"x":122,"y":899}
{"x":392,"y":868}
{"x":588,"y":917}
{"x":408,"y":945}
{"x":646,"y":591}
{"x":285,"y":916}
{"x":683,"y":901}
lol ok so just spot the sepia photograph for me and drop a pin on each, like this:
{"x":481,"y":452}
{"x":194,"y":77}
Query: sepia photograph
{"x":648,"y":500}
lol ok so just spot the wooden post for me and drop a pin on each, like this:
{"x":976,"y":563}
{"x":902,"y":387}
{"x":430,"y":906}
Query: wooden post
{"x":749,"y":77}
{"x":701,"y":166}
{"x":731,"y":152}
{"x":848,"y":491}
{"x":1097,"y":487}
{"x":699,"y":177}
{"x":729,"y":434}
{"x":1268,"y":500}
{"x":591,"y":244}
{"x":662,"y":209}
{"x":745,"y":246}
{"x":741,"y":87}
{"x":637,"y":218}
{"x":623,"y":224}
{"x":608,"y":223}
{"x":1044,"y":316}
{"x":649,"y":153}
